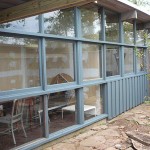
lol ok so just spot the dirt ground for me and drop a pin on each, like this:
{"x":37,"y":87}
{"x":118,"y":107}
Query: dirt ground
{"x":112,"y":134}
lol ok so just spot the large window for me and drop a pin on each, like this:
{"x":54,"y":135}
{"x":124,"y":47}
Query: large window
{"x":112,"y":26}
{"x":93,"y":101}
{"x":141,"y":37}
{"x":19,"y":63}
{"x":112,"y":60}
{"x":91,"y":59}
{"x":61,"y":110}
{"x":140,"y":59}
{"x":25,"y":24}
{"x":128,"y":60}
{"x":23,"y":116}
{"x":59,"y":22}
{"x":59,"y":62}
{"x":91,"y":22}
{"x":128,"y":33}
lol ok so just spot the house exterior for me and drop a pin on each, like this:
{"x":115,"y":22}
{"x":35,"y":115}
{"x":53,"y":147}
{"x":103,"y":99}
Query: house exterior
{"x":71,"y":64}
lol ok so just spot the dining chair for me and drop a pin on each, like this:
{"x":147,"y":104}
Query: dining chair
{"x":13,"y":118}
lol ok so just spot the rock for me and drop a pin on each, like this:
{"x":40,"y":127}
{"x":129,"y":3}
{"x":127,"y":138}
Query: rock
{"x":93,"y":141}
{"x":109,"y":133}
{"x":137,"y":145}
{"x":140,"y":137}
{"x":118,"y":146}
{"x":64,"y":146}
{"x":130,"y":148}
{"x":142,"y":117}
{"x":104,"y":127}
{"x":121,"y":127}
{"x":97,"y":128}
{"x":85,"y":135}
{"x":111,"y":148}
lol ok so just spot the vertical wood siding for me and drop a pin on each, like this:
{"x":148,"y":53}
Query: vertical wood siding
{"x":125,"y":94}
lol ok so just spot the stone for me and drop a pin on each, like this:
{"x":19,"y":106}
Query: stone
{"x":85,"y":135}
{"x":140,"y":137}
{"x":64,"y":146}
{"x":130,"y":148}
{"x":118,"y":146}
{"x":97,"y":128}
{"x":104,"y":127}
{"x":111,"y":148}
{"x":139,"y":146}
{"x":49,"y":148}
{"x":109,"y":132}
{"x":121,"y":127}
{"x":93,"y":141}
{"x":142,"y":117}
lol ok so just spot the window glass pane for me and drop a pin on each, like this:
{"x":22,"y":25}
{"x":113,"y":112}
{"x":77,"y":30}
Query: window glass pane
{"x":59,"y":22}
{"x":91,"y":22}
{"x":128,"y":33}
{"x":28,"y":110}
{"x":19,"y":63}
{"x":112,"y":60}
{"x":30,"y":24}
{"x":141,"y":37}
{"x":91,"y":61}
{"x":128,"y":60}
{"x":112,"y":26}
{"x":62,"y":108}
{"x":93,"y":101}
{"x":140,"y":59}
{"x":59,"y":62}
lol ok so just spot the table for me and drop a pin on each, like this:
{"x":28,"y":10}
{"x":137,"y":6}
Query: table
{"x":72,"y":108}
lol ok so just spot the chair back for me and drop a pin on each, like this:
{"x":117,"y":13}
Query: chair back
{"x":17,"y":110}
{"x":70,"y":97}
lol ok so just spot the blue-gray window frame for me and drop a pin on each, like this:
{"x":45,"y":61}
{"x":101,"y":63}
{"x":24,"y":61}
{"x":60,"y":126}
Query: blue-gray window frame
{"x":79,"y":84}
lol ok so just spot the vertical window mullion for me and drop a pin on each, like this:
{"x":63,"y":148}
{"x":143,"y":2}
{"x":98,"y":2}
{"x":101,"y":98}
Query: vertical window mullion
{"x":134,"y":52}
{"x":121,"y":40}
{"x":79,"y":69}
{"x":43,"y":77}
{"x":103,"y":20}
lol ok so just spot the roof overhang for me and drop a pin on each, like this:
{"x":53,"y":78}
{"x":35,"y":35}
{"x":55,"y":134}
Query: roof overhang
{"x":25,"y":8}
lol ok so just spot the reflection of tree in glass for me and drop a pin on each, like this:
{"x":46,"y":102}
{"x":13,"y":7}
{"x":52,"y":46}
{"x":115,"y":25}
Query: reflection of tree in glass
{"x":60,"y":22}
{"x":128,"y":32}
{"x":91,"y":18}
{"x":112,"y":27}
{"x":29,"y":24}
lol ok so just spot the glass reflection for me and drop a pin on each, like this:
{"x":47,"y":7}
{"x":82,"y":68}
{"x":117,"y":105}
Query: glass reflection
{"x":19,"y":63}
{"x":59,"y":22}
{"x":91,"y":22}
{"x":112,"y":26}
{"x":25,"y":24}
{"x":128,"y":60}
{"x":91,"y":55}
{"x":60,"y":62}
{"x":112,"y":60}
{"x":141,"y":37}
{"x":140,"y":59}
{"x":61,"y":110}
{"x":128,"y":33}
{"x":93,"y":101}
{"x":21,"y":118}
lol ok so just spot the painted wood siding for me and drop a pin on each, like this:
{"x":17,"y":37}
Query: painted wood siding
{"x":125,"y":94}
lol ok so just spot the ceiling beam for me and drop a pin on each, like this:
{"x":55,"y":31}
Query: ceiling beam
{"x":147,"y":25}
{"x":141,"y":26}
{"x":35,"y":7}
{"x":129,"y":15}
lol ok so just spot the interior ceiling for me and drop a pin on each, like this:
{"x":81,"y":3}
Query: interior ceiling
{"x":4,"y":4}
